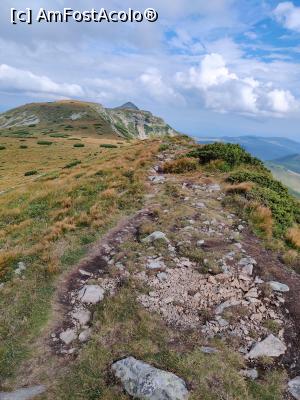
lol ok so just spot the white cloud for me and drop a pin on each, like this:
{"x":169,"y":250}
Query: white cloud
{"x":288,"y":15}
{"x":281,"y":101}
{"x":158,"y":88}
{"x":14,"y":79}
{"x":224,"y":91}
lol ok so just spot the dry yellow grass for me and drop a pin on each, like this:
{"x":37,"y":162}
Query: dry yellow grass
{"x":179,"y":166}
{"x":240,"y":188}
{"x":293,"y":236}
{"x":262,"y":219}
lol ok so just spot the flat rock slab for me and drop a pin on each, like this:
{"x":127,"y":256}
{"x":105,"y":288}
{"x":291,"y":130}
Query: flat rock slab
{"x":156,"y":265}
{"x":294,"y":387}
{"x":23,"y":394}
{"x":209,"y":350}
{"x":279,"y":287}
{"x":269,"y":347}
{"x":142,"y":381}
{"x":229,"y":303}
{"x":68,"y":336}
{"x":91,"y":294}
{"x":82,"y":316}
{"x":156,"y":236}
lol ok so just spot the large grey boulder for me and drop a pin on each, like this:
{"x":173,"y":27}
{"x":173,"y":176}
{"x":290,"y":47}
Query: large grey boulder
{"x":142,"y":381}
{"x":294,"y":387}
{"x":23,"y":394}
{"x":269,"y":347}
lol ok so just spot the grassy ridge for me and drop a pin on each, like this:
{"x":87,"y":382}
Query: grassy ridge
{"x":46,"y":223}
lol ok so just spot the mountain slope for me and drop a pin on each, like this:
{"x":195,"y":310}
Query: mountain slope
{"x":262,"y":147}
{"x":291,"y":162}
{"x":127,"y":121}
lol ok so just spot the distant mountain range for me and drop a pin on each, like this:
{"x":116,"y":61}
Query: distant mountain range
{"x":265,"y":148}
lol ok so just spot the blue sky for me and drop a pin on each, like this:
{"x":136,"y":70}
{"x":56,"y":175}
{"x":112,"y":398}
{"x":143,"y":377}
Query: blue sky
{"x":223,"y":67}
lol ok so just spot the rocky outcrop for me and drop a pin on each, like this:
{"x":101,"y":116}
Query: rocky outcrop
{"x":142,"y":381}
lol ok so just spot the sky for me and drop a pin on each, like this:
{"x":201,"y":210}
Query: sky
{"x":209,"y":68}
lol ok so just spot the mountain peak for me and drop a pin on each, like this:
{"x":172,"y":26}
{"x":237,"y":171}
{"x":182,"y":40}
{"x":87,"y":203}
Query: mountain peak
{"x":128,"y":106}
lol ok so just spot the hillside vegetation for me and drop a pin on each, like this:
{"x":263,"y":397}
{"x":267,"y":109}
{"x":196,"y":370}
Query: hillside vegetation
{"x":142,"y":250}
{"x":252,"y":181}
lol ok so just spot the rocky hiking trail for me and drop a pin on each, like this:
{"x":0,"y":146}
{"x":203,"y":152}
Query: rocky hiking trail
{"x":195,"y":265}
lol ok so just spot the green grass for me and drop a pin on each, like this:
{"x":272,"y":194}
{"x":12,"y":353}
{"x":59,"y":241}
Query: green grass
{"x":46,"y":224}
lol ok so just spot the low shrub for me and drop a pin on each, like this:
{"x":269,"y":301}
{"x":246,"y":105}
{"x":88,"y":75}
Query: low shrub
{"x":78,"y":145}
{"x":179,"y":166}
{"x":163,"y":147}
{"x":282,"y":207}
{"x":263,"y":179}
{"x":2,"y":147}
{"x":59,"y":135}
{"x":29,"y":173}
{"x":44,"y":143}
{"x":108,"y":146}
{"x":23,"y":146}
{"x":218,"y":165}
{"x":72,"y":164}
{"x":232,"y":154}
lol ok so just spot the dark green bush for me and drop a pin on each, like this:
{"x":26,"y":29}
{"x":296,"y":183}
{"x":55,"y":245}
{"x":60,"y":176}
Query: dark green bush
{"x":44,"y":143}
{"x":232,"y":154}
{"x":59,"y":135}
{"x":78,"y":145}
{"x":72,"y":164}
{"x":283,"y":208}
{"x":2,"y":147}
{"x":29,"y":173}
{"x":272,"y":194}
{"x":263,"y":179}
{"x":109,"y":146}
{"x":23,"y":146}
{"x":164,"y":146}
